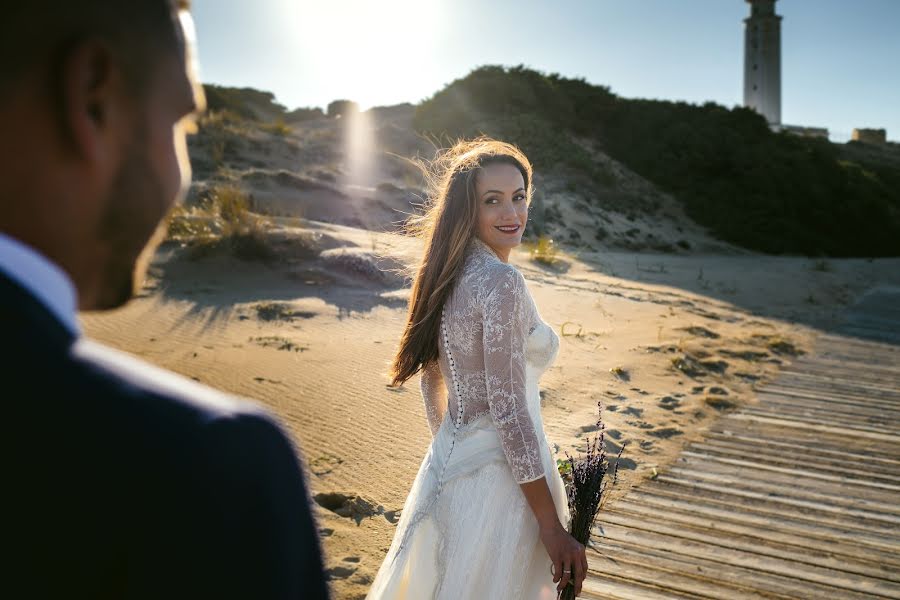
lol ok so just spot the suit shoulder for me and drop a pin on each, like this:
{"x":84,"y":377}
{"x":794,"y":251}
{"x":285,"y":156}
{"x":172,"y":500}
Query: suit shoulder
{"x":151,"y":393}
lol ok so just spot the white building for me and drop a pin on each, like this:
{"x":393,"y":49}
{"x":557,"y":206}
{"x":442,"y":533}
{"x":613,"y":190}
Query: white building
{"x":762,"y":61}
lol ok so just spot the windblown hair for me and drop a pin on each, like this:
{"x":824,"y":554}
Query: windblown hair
{"x":447,"y":226}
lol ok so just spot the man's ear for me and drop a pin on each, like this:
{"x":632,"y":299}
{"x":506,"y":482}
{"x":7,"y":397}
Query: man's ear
{"x":91,"y":100}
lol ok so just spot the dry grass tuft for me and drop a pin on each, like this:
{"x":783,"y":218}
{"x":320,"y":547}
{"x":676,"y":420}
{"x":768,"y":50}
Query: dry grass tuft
{"x":621,"y":373}
{"x":222,"y":222}
{"x":544,"y":251}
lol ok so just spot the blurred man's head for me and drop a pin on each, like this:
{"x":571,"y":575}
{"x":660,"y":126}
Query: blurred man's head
{"x":95,"y":100}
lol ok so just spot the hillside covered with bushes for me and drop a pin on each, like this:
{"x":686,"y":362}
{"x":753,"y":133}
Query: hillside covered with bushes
{"x":766,"y":191}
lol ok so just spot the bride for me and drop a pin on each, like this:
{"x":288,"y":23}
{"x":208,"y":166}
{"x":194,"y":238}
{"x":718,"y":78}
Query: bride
{"x":486,"y":514}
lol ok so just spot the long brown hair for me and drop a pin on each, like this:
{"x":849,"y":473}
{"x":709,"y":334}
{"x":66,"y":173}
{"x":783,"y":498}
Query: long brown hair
{"x":447,"y":226}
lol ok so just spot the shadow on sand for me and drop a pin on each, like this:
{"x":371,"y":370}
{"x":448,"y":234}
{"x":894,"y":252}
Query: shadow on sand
{"x":220,"y":287}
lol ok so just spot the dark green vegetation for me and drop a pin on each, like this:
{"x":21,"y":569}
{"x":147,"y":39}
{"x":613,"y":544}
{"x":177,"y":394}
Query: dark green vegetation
{"x":253,"y":105}
{"x":771,"y":192}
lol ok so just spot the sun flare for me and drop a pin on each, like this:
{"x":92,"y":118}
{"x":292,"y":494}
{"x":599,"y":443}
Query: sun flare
{"x":362,"y":46}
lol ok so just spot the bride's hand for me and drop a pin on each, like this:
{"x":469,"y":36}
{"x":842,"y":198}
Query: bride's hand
{"x":568,"y":556}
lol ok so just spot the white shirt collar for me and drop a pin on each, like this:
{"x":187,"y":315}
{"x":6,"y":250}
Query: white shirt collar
{"x":44,"y":279}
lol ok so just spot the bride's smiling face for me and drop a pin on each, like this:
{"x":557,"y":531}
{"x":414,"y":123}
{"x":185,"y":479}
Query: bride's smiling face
{"x":502,"y":207}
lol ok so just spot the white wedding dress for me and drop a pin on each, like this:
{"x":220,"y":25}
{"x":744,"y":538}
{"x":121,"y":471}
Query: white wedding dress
{"x":466,"y":529}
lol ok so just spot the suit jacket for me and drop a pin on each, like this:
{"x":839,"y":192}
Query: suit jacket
{"x":122,"y":480}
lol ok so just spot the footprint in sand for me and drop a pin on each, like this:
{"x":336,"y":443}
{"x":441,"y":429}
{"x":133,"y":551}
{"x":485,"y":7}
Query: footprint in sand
{"x":669,"y":403}
{"x":747,"y":376}
{"x":340,"y":572}
{"x":665,"y":432}
{"x":611,"y":446}
{"x":719,"y":403}
{"x":702,"y":332}
{"x":354,"y":506}
{"x":624,"y":463}
{"x":324,"y":464}
{"x":748,"y":355}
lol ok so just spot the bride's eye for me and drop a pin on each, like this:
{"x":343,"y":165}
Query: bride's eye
{"x":519,"y":197}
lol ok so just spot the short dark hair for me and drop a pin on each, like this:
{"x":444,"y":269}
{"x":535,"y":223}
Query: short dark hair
{"x":138,"y":31}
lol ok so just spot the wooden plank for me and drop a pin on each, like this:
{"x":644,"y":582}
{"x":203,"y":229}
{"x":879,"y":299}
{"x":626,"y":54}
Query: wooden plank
{"x":833,"y":395}
{"x":814,"y":482}
{"x":844,"y":369}
{"x":794,"y":496}
{"x":772,"y":509}
{"x":832,"y":408}
{"x":833,"y":440}
{"x":801,"y":524}
{"x":878,"y":509}
{"x":858,"y":466}
{"x":841,"y":373}
{"x":748,"y":554}
{"x":654,"y":572}
{"x":891,"y":437}
{"x":712,"y":572}
{"x":847,"y":480}
{"x":605,"y":586}
{"x":785,"y":496}
{"x":824,"y":414}
{"x":771,"y":530}
{"x":851,"y":454}
{"x":872,"y":429}
{"x":861,"y":392}
{"x":857,"y":395}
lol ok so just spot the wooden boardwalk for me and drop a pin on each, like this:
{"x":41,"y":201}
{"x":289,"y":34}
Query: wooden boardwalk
{"x":797,"y":496}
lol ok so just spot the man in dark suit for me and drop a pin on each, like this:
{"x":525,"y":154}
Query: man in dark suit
{"x":120,"y":480}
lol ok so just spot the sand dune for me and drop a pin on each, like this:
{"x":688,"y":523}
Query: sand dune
{"x":664,"y":342}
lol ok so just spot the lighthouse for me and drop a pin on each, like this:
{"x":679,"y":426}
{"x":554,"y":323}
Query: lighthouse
{"x":762,"y":61}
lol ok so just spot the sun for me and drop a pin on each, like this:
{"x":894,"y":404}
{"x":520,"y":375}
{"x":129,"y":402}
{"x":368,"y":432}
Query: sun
{"x":361,"y":46}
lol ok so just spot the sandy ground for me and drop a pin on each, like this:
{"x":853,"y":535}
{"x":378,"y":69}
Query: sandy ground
{"x":664,"y":342}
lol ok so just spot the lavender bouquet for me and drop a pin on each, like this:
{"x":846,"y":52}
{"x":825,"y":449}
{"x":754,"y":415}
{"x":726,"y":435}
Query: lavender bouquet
{"x":586,"y":481}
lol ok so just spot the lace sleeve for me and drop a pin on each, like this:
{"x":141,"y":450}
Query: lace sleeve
{"x":506,"y":322}
{"x":434,"y":394}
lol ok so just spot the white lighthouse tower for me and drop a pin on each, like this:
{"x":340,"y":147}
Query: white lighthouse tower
{"x":762,"y":61}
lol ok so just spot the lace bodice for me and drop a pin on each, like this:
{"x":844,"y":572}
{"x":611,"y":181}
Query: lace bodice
{"x":486,"y":323}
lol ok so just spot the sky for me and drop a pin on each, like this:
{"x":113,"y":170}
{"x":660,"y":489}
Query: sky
{"x":840,"y":58}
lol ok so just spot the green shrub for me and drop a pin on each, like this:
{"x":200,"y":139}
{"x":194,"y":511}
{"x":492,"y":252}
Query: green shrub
{"x":341,"y":108}
{"x":771,"y":192}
